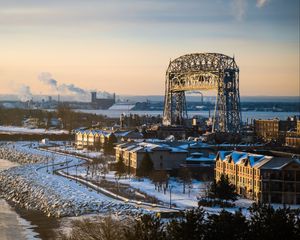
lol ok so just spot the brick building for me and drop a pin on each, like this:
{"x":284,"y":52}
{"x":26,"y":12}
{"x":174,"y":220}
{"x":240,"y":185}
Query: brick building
{"x":261,"y":178}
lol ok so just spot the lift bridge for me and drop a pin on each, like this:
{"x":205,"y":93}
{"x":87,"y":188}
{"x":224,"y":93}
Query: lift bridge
{"x":201,"y":72}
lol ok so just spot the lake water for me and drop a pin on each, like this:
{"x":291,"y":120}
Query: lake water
{"x":19,"y":224}
{"x":245,"y":114}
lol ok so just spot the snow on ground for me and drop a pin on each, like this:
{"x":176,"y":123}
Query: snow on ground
{"x":15,"y":129}
{"x":177,"y":197}
{"x":5,"y":164}
{"x":81,"y":152}
{"x":182,"y":201}
{"x":53,"y":194}
{"x":145,"y":185}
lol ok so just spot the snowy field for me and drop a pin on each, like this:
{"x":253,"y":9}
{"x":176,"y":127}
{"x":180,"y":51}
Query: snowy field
{"x":81,"y":152}
{"x":177,"y":197}
{"x":14,"y":129}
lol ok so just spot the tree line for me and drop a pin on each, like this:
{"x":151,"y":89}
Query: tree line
{"x":69,"y":118}
{"x":262,"y":222}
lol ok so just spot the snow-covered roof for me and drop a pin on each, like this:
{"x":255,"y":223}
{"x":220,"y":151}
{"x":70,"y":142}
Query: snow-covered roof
{"x":222,"y":154}
{"x":256,"y":160}
{"x":238,"y":156}
{"x":200,"y":159}
{"x":278,"y":163}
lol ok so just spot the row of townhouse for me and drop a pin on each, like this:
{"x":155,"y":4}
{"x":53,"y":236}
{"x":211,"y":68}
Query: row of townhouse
{"x":95,"y":138}
{"x":167,"y":155}
{"x":261,"y":178}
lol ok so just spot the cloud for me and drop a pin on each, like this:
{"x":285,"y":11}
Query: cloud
{"x":239,"y":9}
{"x":261,"y":3}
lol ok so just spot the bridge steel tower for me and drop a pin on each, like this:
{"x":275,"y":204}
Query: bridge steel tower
{"x":204,"y":71}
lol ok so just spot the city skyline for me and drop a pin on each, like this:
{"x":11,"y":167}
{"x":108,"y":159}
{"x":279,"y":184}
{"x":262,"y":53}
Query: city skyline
{"x":114,"y":46}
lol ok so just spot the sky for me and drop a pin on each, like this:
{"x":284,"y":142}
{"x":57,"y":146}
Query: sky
{"x":125,"y":46}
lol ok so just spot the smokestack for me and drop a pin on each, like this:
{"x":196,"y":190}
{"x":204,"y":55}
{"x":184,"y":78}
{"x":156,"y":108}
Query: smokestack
{"x":94,"y":96}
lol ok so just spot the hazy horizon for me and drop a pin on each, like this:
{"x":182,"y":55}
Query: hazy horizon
{"x":140,"y":98}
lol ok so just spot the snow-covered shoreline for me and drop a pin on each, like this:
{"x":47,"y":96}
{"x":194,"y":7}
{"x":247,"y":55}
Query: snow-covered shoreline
{"x":32,"y":187}
{"x":16,"y":129}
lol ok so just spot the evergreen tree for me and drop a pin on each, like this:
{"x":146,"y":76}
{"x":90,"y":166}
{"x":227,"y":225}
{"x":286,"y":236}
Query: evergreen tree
{"x":120,"y":167}
{"x":146,"y":166}
{"x":268,"y":223}
{"x":190,"y":227}
{"x":146,"y":228}
{"x":222,"y":189}
{"x":109,"y":144}
{"x":226,"y":226}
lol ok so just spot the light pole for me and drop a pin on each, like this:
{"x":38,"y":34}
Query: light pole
{"x":76,"y":172}
{"x":170,"y":188}
{"x":52,"y":163}
{"x":47,"y":159}
{"x":67,"y":165}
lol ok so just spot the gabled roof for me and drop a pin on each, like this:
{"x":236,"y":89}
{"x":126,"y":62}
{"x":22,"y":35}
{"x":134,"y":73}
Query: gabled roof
{"x":238,"y":156}
{"x":222,"y":154}
{"x":243,"y":157}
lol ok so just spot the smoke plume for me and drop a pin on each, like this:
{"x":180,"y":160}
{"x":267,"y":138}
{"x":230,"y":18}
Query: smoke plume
{"x":69,"y":89}
{"x":46,"y":78}
{"x":24,"y":93}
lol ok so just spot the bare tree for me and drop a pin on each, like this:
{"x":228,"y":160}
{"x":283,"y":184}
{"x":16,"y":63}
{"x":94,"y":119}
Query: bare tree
{"x":99,"y":229}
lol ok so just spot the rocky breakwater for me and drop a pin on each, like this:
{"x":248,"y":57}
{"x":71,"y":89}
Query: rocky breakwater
{"x":54,"y":195}
{"x":13,"y":155}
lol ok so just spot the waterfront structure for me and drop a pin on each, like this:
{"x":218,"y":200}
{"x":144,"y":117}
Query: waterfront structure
{"x":261,"y":178}
{"x":198,"y":72}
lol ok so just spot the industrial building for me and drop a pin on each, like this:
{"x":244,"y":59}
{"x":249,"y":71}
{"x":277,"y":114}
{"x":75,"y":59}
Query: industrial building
{"x":102,"y":103}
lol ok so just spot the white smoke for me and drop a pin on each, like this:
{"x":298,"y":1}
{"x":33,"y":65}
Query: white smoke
{"x":46,"y":78}
{"x":261,"y":3}
{"x":69,"y":89}
{"x":24,"y":93}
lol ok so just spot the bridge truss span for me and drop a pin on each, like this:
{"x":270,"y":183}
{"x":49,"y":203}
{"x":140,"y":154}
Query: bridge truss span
{"x":201,"y":72}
